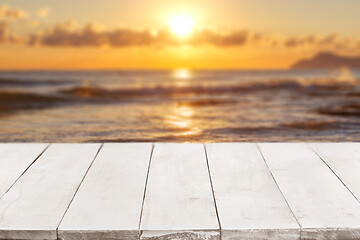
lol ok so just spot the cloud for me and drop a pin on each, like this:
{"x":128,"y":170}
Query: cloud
{"x":234,"y":38}
{"x":91,"y":35}
{"x":9,"y":13}
{"x":33,"y":23}
{"x":329,"y":42}
{"x":5,"y":36}
{"x":43,"y":12}
{"x":66,"y":35}
{"x":3,"y":31}
{"x":329,"y":39}
{"x":297,"y":41}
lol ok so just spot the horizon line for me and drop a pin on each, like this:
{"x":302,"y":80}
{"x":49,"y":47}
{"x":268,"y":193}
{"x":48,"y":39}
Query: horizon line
{"x":142,"y":69}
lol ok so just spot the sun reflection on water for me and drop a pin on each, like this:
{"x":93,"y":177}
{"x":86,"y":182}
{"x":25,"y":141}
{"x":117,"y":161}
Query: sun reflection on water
{"x":182,"y":74}
{"x":181,"y":118}
{"x":182,"y":77}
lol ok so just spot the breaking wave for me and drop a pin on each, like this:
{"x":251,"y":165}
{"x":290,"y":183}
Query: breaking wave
{"x":15,"y":101}
{"x":300,"y":85}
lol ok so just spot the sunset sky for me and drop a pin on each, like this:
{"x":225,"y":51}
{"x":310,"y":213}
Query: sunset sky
{"x":168,"y":34}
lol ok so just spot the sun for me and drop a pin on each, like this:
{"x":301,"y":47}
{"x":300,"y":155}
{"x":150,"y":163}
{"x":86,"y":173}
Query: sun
{"x":182,"y":25}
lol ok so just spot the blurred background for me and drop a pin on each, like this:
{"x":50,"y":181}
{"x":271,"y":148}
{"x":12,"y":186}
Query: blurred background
{"x":203,"y":71}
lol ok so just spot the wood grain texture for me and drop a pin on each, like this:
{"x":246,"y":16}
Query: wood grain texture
{"x":249,"y":203}
{"x":263,"y":234}
{"x":179,"y":201}
{"x":35,"y":205}
{"x":15,"y":158}
{"x":344,"y":160}
{"x":108,"y":203}
{"x":320,"y":202}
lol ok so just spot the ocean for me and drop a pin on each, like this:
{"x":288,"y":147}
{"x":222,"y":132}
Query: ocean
{"x":180,"y":106}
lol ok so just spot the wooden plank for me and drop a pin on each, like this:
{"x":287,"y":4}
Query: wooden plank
{"x":178,"y":201}
{"x":15,"y":158}
{"x":344,"y":160}
{"x":35,"y":205}
{"x":108,"y":203}
{"x":249,"y":203}
{"x":324,"y":208}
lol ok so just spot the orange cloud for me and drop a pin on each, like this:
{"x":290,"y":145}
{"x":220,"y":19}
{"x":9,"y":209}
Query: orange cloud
{"x":65,"y":35}
{"x":298,"y":41}
{"x":330,"y":42}
{"x":11,"y":13}
{"x":3,"y":31}
{"x":5,"y":36}
{"x":43,"y":12}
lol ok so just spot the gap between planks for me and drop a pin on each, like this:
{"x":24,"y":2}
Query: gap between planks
{"x":82,"y":180}
{"x":212,"y":189}
{"x":27,"y":168}
{"x":146,"y":181}
{"x":277,"y":185}
{"x":323,"y":160}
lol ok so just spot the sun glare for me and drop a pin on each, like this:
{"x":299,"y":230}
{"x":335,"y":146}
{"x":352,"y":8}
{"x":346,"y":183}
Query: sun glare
{"x":182,"y":25}
{"x":182,"y":74}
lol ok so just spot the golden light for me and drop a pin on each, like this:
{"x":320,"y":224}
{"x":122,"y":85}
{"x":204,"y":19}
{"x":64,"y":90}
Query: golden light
{"x":182,"y":119}
{"x":182,"y":25}
{"x":182,"y":74}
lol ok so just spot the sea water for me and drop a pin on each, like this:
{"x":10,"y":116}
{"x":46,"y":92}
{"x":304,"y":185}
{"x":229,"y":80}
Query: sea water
{"x":180,"y":106}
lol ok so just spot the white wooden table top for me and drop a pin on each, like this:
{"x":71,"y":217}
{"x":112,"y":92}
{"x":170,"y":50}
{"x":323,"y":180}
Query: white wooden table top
{"x":180,"y":191}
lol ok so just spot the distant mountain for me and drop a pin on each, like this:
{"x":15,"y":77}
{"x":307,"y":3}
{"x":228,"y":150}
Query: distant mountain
{"x":327,"y":60}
